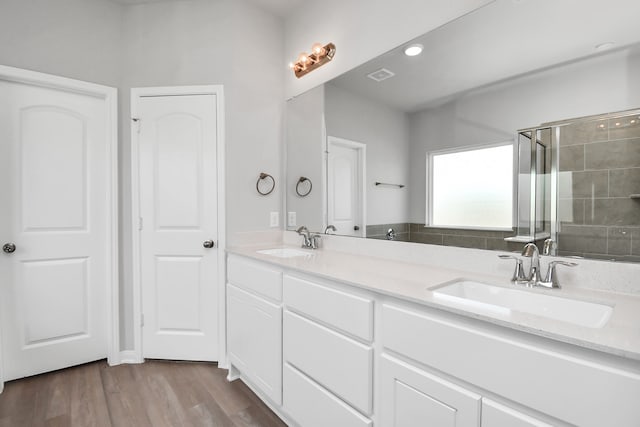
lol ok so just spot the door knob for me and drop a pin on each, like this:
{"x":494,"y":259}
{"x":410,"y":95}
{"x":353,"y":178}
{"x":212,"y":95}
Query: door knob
{"x":356,"y":227}
{"x":9,"y":248}
{"x":208,"y":244}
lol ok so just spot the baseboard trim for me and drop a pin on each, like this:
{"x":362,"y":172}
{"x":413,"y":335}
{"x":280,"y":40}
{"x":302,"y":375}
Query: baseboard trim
{"x":129,"y":357}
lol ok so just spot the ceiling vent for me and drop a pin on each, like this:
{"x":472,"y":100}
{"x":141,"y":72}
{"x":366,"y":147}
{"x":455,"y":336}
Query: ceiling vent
{"x":381,"y":74}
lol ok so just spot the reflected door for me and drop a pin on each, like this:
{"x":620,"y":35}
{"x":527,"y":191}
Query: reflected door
{"x":54,"y":182}
{"x":345,"y":186}
{"x":178,"y":206}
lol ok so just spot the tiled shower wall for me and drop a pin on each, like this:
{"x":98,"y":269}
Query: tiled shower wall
{"x":418,"y":233}
{"x":599,"y":163}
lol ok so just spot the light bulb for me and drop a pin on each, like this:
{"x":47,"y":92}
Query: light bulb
{"x":303,"y":58}
{"x":291,"y":65}
{"x":317,"y":48}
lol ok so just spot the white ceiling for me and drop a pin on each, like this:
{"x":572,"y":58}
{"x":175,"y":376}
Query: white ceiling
{"x":504,"y":39}
{"x":277,"y":7}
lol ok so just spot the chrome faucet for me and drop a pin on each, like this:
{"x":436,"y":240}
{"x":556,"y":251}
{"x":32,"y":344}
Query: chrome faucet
{"x":309,"y":241}
{"x":330,"y":227}
{"x":306,"y":236}
{"x":531,"y":251}
{"x":534,"y":278}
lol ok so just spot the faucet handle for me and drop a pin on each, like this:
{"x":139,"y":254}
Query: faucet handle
{"x":315,"y":241}
{"x":547,"y":246}
{"x":551,"y":279}
{"x":518,"y":273}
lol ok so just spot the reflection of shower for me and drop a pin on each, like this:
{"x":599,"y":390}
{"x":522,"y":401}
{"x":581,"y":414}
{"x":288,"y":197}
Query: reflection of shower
{"x":535,"y":183}
{"x":580,"y":184}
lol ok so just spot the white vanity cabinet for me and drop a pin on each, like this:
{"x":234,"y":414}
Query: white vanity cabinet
{"x":328,"y":354}
{"x":254,"y":323}
{"x":567,"y":384}
{"x":308,"y":346}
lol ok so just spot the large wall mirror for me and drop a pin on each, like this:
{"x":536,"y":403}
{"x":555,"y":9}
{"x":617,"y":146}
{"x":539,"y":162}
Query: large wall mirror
{"x":517,"y":122}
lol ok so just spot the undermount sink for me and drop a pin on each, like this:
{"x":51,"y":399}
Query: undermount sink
{"x":501,"y":300}
{"x":284,"y":252}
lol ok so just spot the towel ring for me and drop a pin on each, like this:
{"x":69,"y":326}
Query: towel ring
{"x":264,"y":176}
{"x":302,"y":180}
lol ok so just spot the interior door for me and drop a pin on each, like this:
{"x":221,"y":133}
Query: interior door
{"x":55,"y":228}
{"x":178,"y":207}
{"x":345,"y":191}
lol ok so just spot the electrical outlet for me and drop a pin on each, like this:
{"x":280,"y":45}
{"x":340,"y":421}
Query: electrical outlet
{"x":274,"y":219}
{"x":291,"y":219}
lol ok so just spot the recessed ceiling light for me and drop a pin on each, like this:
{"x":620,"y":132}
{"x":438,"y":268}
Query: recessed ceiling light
{"x":413,"y":50}
{"x":605,"y":46}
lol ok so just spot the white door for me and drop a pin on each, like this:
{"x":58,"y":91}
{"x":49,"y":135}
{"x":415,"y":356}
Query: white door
{"x":178,"y":210}
{"x":55,"y":219}
{"x":346,"y":192}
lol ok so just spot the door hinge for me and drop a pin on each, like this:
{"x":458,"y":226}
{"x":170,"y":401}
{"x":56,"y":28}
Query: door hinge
{"x":142,"y":320}
{"x":140,"y":223}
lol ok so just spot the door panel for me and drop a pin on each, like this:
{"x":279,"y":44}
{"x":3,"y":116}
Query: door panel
{"x":178,"y":207}
{"x":53,"y":151}
{"x":179,"y":170}
{"x":56,"y":184}
{"x":178,"y":307}
{"x":43,"y":282}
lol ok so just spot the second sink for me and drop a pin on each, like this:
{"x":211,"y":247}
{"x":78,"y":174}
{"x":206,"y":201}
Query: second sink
{"x":469,"y":293}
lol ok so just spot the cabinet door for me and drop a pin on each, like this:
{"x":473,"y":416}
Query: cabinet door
{"x":496,"y":415}
{"x":412,"y":397}
{"x":254,"y":340}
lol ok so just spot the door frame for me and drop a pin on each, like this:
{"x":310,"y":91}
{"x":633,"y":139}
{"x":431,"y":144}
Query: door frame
{"x":362,"y":167}
{"x":136,"y":355}
{"x":110,"y":97}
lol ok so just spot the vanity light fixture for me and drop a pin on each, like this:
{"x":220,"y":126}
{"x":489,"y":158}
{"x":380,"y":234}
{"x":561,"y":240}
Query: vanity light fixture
{"x":413,"y":50}
{"x":319,"y":56}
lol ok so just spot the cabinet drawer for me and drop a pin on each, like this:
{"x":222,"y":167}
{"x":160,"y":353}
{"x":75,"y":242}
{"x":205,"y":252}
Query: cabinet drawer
{"x":533,"y":372}
{"x":255,"y":277}
{"x":254,"y":340}
{"x":344,"y":311}
{"x":340,"y":364}
{"x":312,"y":406}
{"x":497,"y":415}
{"x":411,"y":397}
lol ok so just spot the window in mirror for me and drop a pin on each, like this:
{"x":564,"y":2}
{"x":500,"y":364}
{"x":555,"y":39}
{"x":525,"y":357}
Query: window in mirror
{"x":471,"y":187}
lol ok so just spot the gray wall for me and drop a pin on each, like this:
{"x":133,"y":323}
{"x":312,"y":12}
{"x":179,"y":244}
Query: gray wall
{"x":169,"y":43}
{"x":80,"y":39}
{"x":385,"y":132}
{"x":305,"y":157}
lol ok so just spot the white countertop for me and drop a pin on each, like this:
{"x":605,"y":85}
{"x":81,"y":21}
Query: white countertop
{"x":413,"y":282}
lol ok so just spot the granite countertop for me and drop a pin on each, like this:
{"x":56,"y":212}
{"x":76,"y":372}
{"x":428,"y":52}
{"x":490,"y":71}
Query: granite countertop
{"x":414,"y":282}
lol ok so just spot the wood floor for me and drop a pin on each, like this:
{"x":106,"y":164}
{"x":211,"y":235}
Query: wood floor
{"x":155,"y":394}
